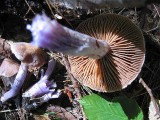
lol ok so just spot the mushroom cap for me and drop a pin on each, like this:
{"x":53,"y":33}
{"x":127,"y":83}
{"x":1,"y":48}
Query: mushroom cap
{"x":9,"y":68}
{"x":29,"y":54}
{"x":119,"y":67}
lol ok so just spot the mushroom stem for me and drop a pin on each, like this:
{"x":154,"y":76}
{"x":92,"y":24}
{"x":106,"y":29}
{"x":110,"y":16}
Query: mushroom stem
{"x":50,"y":68}
{"x":18,"y":82}
{"x":43,"y":86}
{"x":51,"y":35}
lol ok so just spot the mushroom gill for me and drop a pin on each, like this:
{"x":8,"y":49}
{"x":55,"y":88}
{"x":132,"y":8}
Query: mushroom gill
{"x":121,"y":65}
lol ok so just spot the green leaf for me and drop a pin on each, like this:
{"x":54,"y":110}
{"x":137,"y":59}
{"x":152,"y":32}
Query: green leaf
{"x":98,"y":108}
{"x":49,"y":113}
{"x":130,"y":107}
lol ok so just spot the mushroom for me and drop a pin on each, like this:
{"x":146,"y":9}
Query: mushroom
{"x":121,"y":65}
{"x":8,"y":68}
{"x":29,"y":55}
{"x":106,"y":54}
{"x":18,"y":82}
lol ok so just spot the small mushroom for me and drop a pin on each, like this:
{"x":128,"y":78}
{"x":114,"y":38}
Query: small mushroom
{"x":9,"y":68}
{"x":106,"y":54}
{"x":18,"y":82}
{"x":29,"y":55}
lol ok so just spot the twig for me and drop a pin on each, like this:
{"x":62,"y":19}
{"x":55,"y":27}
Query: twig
{"x":4,"y":111}
{"x":26,"y":13}
{"x":151,"y":96}
{"x":51,"y":4}
{"x":29,"y":8}
{"x":75,"y":84}
{"x":156,"y":10}
{"x":48,"y":3}
{"x":153,"y":29}
{"x":120,"y":12}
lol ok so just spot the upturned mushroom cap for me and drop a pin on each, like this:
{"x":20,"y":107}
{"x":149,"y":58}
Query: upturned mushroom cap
{"x":119,"y":67}
{"x":29,"y":54}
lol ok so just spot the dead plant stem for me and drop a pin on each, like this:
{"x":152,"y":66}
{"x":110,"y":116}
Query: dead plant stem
{"x":155,"y":104}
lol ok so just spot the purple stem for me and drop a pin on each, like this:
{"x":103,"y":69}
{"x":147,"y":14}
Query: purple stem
{"x":51,"y":95}
{"x":51,"y":35}
{"x":43,"y":85}
{"x":18,"y":82}
{"x":50,"y":68}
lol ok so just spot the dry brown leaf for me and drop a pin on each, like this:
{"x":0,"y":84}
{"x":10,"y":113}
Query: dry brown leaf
{"x":61,"y":113}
